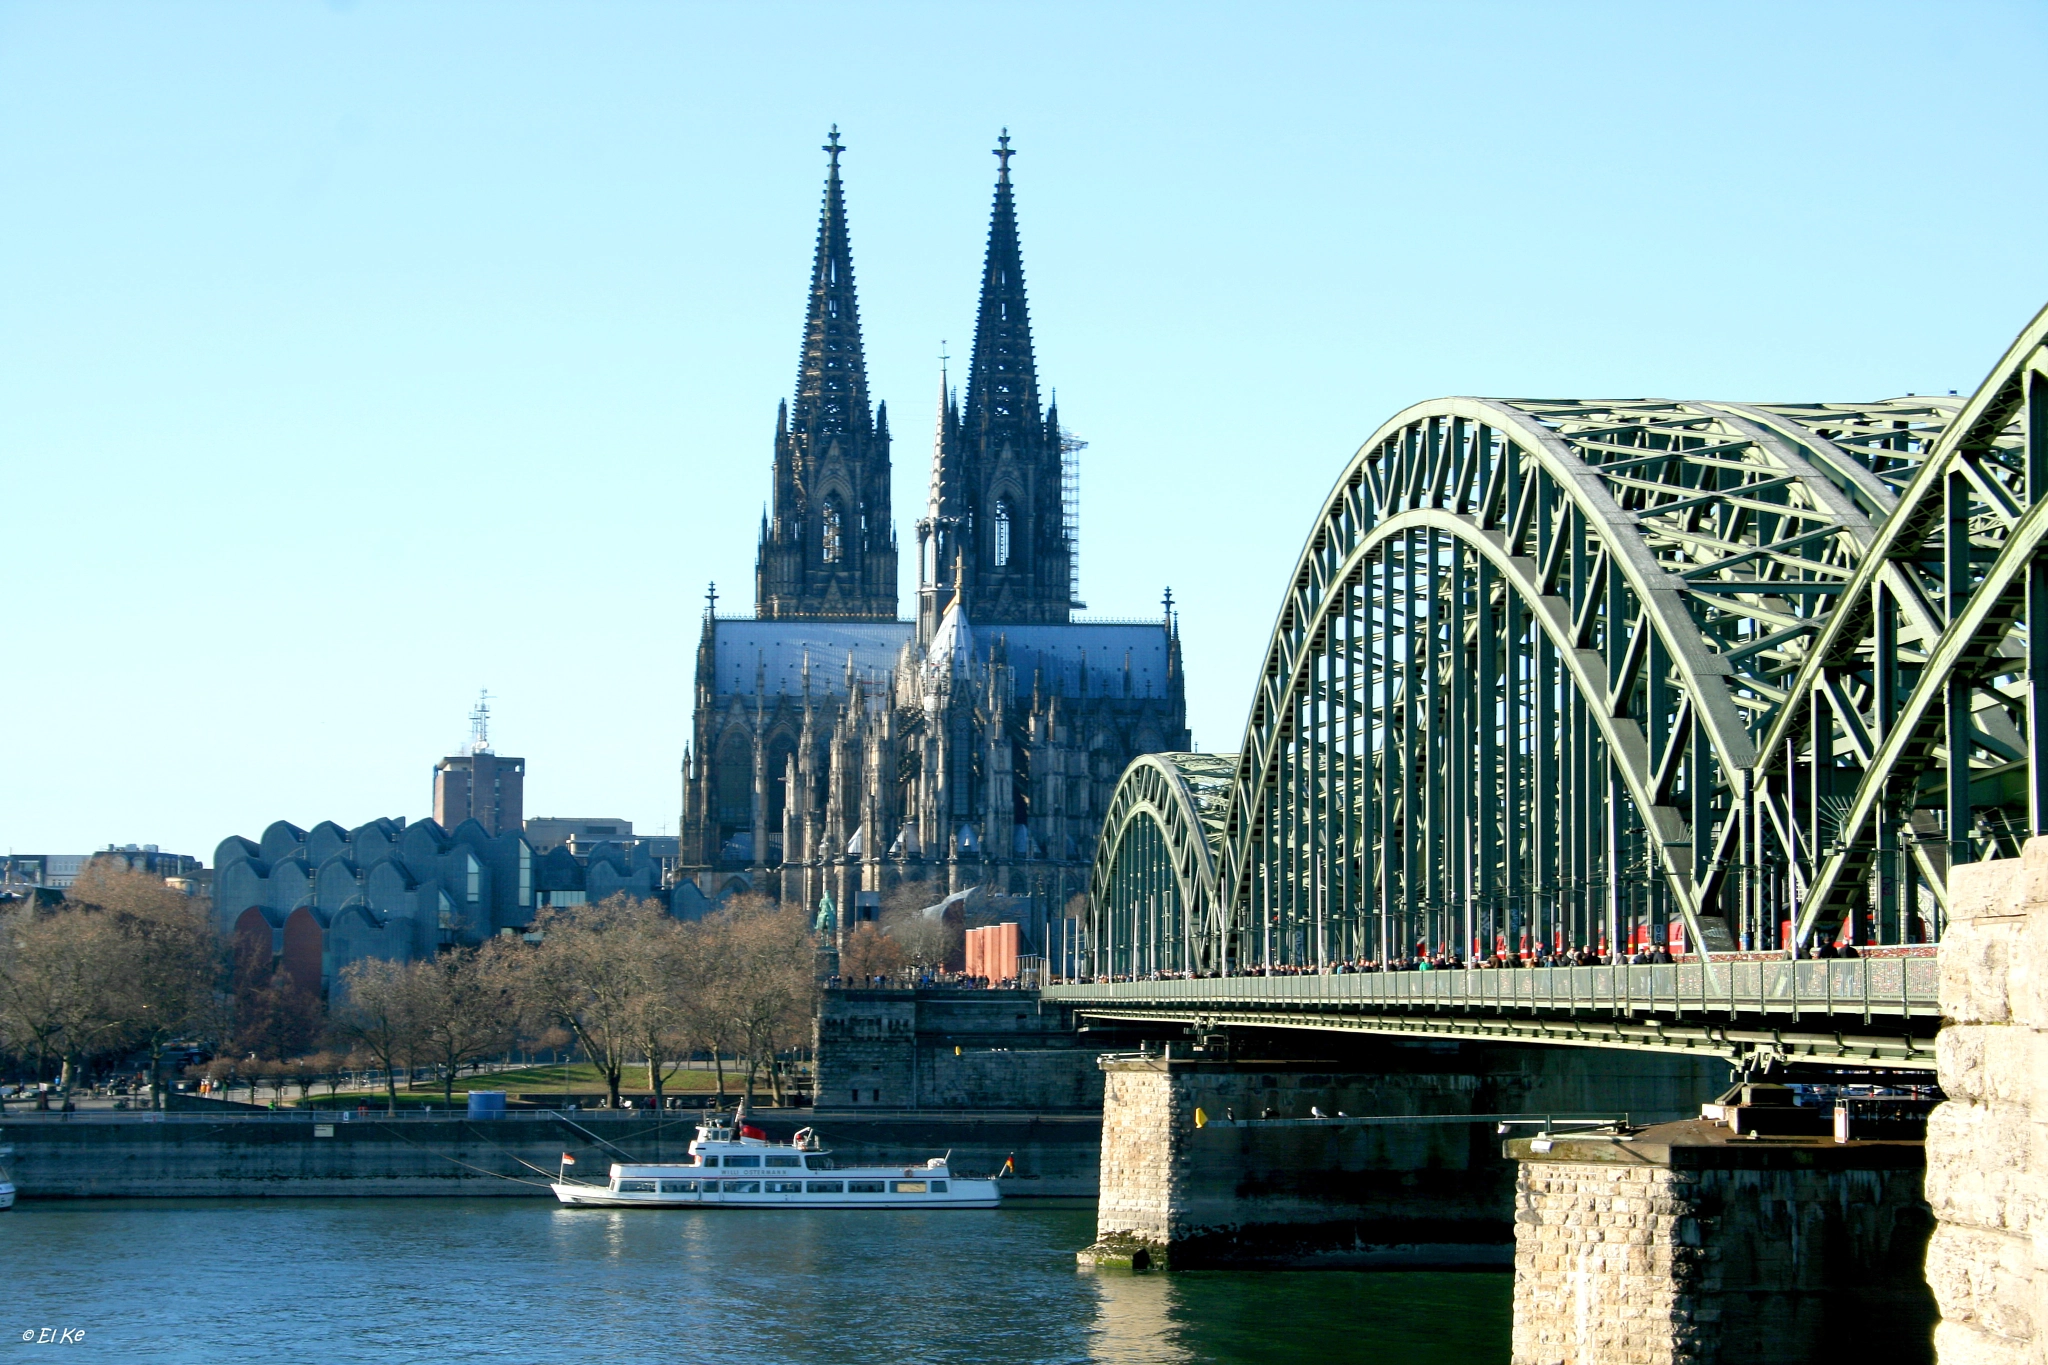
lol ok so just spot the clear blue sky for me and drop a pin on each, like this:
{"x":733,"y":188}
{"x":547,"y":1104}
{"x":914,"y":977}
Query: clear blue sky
{"x":357,"y":356}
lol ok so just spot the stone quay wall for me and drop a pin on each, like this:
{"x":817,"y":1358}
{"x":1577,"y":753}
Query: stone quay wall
{"x":186,"y":1156}
{"x":1987,"y":1147}
{"x":987,"y":1051}
{"x":1683,"y":1247}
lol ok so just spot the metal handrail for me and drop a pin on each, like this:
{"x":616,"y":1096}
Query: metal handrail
{"x":1751,"y":987}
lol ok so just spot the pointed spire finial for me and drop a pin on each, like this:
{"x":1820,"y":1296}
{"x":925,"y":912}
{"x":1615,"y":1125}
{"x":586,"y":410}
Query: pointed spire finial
{"x":1003,"y":153}
{"x":833,"y":148}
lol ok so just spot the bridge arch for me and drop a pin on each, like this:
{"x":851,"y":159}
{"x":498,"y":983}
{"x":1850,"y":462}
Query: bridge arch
{"x":1157,"y":857}
{"x":1551,"y":671}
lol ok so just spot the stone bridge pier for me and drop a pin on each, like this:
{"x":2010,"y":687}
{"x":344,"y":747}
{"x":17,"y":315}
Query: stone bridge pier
{"x":1195,"y":1173}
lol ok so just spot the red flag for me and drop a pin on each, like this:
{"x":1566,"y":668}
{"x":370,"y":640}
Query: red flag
{"x":568,"y":1160}
{"x":748,"y":1130}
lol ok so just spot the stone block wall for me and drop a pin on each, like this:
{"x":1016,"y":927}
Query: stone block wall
{"x":1637,"y":1259}
{"x":1421,"y":1194}
{"x":950,"y":1049}
{"x":1987,"y":1168}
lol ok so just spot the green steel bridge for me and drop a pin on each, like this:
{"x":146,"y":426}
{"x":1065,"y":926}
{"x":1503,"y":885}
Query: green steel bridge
{"x":1739,"y":680}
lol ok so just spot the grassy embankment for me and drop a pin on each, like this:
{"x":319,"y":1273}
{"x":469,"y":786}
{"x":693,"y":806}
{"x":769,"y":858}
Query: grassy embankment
{"x":575,"y":1078}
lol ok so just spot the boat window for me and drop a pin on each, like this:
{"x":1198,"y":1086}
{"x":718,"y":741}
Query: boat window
{"x":742,"y":1187}
{"x":742,"y":1161}
{"x":826,"y":1187}
{"x":635,"y":1187}
{"x":786,"y":1161}
{"x":938,"y":1187}
{"x":785,"y":1187}
{"x":910,"y":1187}
{"x":678,"y":1187}
{"x":819,"y":1163}
{"x":863,"y":1187}
{"x":707,"y":1161}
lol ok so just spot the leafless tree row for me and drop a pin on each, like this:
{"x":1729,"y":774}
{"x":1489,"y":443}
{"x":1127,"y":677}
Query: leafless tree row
{"x":630,"y":984}
{"x":127,"y":965}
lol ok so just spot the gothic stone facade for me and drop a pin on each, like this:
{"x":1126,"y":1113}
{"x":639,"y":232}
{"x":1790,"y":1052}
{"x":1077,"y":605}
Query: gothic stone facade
{"x":839,"y":749}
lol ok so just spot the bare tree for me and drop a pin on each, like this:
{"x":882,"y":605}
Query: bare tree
{"x":582,"y":976}
{"x":379,"y":1012}
{"x":672,"y":977}
{"x":170,"y":961}
{"x":926,"y":940}
{"x":465,"y":1009}
{"x":767,"y":985}
{"x":870,"y":953}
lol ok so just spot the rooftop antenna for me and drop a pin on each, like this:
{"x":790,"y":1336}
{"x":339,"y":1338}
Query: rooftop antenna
{"x":480,"y":723}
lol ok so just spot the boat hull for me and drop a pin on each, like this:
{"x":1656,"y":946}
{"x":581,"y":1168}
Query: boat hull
{"x":965,"y":1194}
{"x":6,"y":1195}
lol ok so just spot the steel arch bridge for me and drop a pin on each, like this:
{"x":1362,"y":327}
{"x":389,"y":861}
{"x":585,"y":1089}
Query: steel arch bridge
{"x":1601,"y":674}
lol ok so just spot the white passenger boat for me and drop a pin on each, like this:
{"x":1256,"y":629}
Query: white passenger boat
{"x":736,"y":1167}
{"x":6,"y":1179}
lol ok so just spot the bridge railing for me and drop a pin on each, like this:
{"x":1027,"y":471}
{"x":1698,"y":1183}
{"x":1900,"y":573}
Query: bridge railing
{"x":1898,"y":986}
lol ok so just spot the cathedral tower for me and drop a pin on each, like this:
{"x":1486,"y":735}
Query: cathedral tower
{"x":995,"y":521}
{"x":828,"y":545}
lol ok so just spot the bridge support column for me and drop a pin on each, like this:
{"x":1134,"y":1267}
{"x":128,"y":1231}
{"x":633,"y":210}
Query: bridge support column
{"x":1987,"y":1147}
{"x":1241,"y":1189}
{"x":1690,"y":1244}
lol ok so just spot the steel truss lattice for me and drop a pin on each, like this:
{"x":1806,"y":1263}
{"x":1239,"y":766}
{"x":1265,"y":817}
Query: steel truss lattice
{"x":1577,"y":673}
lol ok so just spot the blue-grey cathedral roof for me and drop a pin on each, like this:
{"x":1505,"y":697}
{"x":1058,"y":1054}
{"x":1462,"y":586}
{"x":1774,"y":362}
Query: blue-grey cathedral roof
{"x":1075,"y":659}
{"x":775,"y":652}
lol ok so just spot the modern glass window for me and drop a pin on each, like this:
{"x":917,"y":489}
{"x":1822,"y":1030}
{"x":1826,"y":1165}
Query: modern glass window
{"x":476,"y":878}
{"x":636,"y":1187}
{"x":707,"y":1161}
{"x":1002,"y":532}
{"x":910,"y":1187}
{"x":742,"y":1187}
{"x":826,"y":1186}
{"x":786,"y":1162}
{"x":743,"y":1161}
{"x":525,"y":874}
{"x":678,"y":1187}
{"x":864,"y":1187}
{"x":832,"y":537}
{"x":785,"y":1186}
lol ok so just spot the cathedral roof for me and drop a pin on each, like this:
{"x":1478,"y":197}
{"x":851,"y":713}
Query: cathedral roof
{"x":775,"y":651}
{"x":1086,"y":658}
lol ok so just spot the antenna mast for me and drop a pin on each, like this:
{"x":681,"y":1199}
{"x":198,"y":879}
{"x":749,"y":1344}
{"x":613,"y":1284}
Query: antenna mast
{"x":480,"y":724}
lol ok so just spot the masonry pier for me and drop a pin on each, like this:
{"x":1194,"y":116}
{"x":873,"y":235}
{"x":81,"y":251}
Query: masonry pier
{"x":1690,"y":1242}
{"x":1256,"y":1179}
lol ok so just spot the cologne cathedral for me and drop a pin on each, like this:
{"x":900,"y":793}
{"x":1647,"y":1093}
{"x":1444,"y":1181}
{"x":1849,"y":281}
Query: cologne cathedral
{"x":842,"y":751}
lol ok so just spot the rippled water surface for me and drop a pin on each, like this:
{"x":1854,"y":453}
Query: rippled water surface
{"x":520,"y":1280}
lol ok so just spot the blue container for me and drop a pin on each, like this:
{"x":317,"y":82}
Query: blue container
{"x":487,"y":1104}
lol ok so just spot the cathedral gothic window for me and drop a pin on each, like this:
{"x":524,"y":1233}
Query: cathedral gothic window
{"x":1002,"y":533}
{"x":833,"y":540}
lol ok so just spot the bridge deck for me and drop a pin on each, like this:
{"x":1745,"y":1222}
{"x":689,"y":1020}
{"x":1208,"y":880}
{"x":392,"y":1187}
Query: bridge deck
{"x":1876,"y":1010}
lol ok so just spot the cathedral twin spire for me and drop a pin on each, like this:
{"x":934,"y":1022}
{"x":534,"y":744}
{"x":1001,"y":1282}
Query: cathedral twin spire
{"x":993,"y":533}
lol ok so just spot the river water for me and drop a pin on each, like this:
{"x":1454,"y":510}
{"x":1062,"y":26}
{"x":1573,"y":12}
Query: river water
{"x":346,"y":1280}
